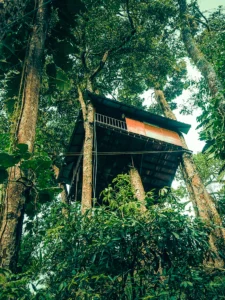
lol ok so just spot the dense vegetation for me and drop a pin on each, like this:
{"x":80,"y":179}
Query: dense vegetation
{"x":51,"y":52}
{"x":117,"y":253}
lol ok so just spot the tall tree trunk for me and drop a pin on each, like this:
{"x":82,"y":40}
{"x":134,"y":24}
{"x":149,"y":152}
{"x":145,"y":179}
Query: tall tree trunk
{"x":137,"y":185}
{"x":87,"y":182}
{"x":201,"y":199}
{"x":11,"y":227}
{"x":199,"y":59}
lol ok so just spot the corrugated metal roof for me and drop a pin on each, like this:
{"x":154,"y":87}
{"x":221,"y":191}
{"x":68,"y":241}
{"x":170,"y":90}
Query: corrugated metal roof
{"x":137,"y":113}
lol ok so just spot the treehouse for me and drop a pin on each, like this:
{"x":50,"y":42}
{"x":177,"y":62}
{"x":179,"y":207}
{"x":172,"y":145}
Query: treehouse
{"x":124,"y":137}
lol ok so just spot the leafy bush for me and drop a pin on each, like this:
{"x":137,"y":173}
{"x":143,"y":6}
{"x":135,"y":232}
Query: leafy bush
{"x":115,"y":252}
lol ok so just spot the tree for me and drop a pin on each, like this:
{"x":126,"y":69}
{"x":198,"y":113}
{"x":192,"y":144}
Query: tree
{"x":121,"y":48}
{"x":202,"y":201}
{"x":209,"y":170}
{"x":217,"y":103}
{"x":11,"y":225}
{"x":102,"y":62}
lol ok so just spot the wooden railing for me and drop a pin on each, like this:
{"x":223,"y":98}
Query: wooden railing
{"x":102,"y":119}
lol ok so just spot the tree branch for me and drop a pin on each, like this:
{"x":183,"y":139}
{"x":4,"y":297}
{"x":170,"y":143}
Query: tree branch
{"x":83,"y":59}
{"x":129,"y":16}
{"x":133,"y":30}
{"x":206,"y":20}
{"x":100,"y":66}
{"x":203,"y":23}
{"x":82,"y":103}
{"x":127,"y":39}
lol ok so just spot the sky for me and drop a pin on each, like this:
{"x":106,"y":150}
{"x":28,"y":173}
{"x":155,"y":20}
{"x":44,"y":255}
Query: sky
{"x":192,"y":138}
{"x":210,"y":4}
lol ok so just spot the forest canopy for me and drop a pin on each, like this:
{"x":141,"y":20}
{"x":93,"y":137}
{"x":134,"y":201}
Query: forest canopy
{"x":119,"y":247}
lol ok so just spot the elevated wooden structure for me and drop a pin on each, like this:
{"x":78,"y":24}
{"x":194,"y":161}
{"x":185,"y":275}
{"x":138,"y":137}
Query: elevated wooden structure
{"x":125,"y":136}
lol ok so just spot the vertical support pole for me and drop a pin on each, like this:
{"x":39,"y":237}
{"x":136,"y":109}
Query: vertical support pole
{"x":87,"y":182}
{"x":137,"y":185}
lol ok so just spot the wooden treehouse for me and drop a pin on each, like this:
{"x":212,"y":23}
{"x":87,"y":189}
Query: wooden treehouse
{"x":124,"y":137}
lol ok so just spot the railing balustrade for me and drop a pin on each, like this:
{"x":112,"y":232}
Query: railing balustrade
{"x":102,"y":119}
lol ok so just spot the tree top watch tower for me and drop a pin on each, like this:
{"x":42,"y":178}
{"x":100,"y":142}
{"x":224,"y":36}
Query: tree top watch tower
{"x":124,"y":137}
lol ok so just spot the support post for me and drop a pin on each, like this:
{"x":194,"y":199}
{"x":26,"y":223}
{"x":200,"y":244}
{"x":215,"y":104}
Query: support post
{"x":137,"y":185}
{"x":87,"y":182}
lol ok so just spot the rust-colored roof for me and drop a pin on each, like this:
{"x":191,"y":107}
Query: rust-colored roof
{"x":108,"y":106}
{"x":153,"y":131}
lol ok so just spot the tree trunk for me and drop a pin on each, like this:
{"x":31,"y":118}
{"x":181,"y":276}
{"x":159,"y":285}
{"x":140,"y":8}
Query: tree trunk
{"x":64,"y":194}
{"x":11,"y":227}
{"x":88,"y":112}
{"x":137,"y":185}
{"x":199,"y":59}
{"x":201,"y":199}
{"x":87,"y":159}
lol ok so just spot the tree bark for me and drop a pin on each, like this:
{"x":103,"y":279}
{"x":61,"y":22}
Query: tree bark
{"x":88,"y":112}
{"x":11,"y":227}
{"x":27,"y":123}
{"x":137,"y":185}
{"x":199,"y":59}
{"x":201,"y":199}
{"x":64,"y":194}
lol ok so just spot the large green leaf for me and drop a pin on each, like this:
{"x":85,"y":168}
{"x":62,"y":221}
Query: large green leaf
{"x":8,"y":46}
{"x":23,"y":148}
{"x":22,"y":151}
{"x":51,"y":72}
{"x":58,"y":78}
{"x":46,"y":195}
{"x":10,"y":104}
{"x":3,"y":175}
{"x":37,"y":164}
{"x":30,"y":209}
{"x":8,"y":160}
{"x":62,"y":81}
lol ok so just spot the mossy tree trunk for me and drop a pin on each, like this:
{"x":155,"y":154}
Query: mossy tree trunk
{"x":137,"y":185}
{"x":199,"y":59}
{"x":11,"y":225}
{"x":88,"y":112}
{"x":202,"y":201}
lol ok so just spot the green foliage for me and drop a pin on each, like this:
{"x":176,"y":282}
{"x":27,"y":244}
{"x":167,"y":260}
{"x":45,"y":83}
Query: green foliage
{"x":13,"y":286}
{"x":3,"y":175}
{"x":9,"y":160}
{"x":118,"y":253}
{"x":37,"y":173}
{"x":120,"y":195}
{"x":210,"y":41}
{"x":42,"y":182}
{"x":213,"y":129}
{"x":115,"y":252}
{"x":176,"y":83}
{"x":209,"y":169}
